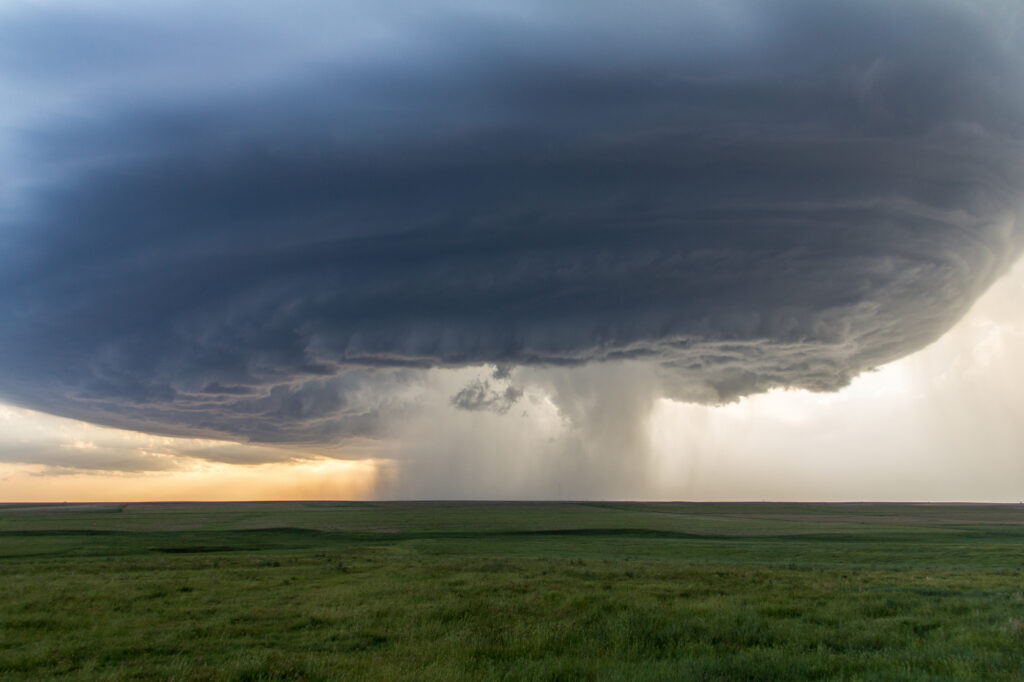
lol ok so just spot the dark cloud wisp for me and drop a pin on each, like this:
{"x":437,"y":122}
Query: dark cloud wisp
{"x":478,"y":395}
{"x":792,"y":194}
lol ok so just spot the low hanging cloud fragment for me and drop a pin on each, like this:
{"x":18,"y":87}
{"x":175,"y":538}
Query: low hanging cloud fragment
{"x":745,"y":194}
{"x":478,"y":395}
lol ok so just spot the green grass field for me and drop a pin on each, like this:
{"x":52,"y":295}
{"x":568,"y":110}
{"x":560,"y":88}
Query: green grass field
{"x":478,"y":591}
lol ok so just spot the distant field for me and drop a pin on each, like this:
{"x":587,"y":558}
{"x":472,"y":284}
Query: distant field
{"x":479,"y":591}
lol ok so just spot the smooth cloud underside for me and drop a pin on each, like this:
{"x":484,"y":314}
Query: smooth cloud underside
{"x":749,"y":195}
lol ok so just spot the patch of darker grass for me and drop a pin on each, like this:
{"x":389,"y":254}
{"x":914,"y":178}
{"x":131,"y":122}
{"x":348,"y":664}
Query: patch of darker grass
{"x":196,"y":550}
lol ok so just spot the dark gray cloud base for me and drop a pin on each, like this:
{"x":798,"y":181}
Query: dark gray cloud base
{"x":763,"y":194}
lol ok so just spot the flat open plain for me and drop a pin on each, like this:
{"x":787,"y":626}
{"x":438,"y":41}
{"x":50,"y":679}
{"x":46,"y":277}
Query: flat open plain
{"x":477,"y":591}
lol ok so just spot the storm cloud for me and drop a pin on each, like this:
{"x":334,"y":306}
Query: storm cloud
{"x":235,"y":224}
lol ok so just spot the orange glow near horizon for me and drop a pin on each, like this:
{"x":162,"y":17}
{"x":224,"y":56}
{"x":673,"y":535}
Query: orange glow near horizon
{"x":321,"y":479}
{"x":53,"y":459}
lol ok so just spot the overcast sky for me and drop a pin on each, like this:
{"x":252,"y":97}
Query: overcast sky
{"x":511,"y":249}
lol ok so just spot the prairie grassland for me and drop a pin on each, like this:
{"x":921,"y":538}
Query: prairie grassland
{"x":477,"y":591}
